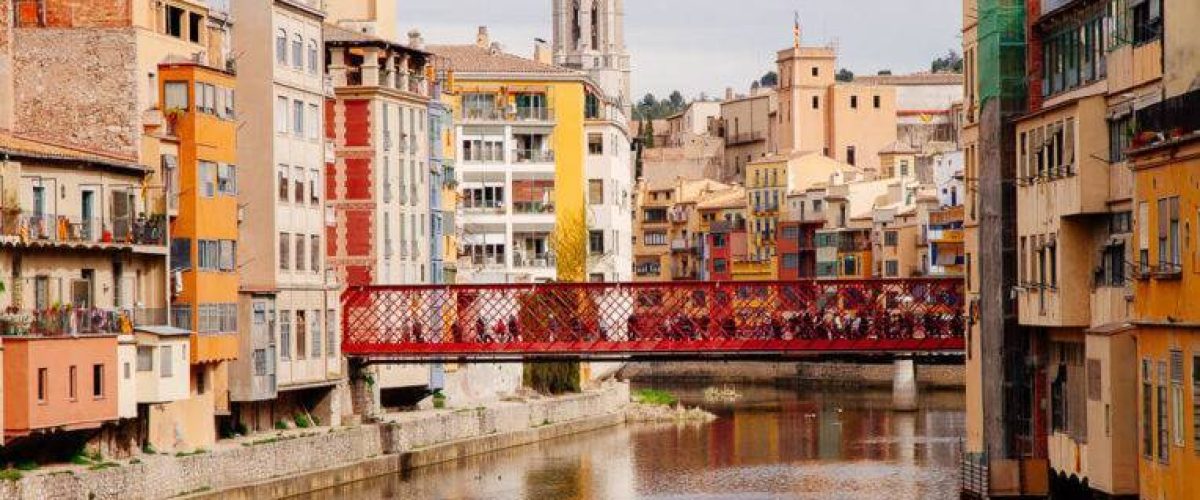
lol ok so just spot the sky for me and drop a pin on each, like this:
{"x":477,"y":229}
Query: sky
{"x":703,"y":46}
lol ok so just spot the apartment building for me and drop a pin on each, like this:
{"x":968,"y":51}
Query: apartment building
{"x":1163,"y":152}
{"x":748,"y":125}
{"x":721,"y":213}
{"x":289,"y":330}
{"x":520,"y":144}
{"x":669,"y":242}
{"x":945,"y":238}
{"x":924,"y":107}
{"x":771,"y":178}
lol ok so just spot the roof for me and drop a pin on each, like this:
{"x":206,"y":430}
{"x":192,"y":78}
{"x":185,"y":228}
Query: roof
{"x":337,"y":35}
{"x":475,"y":59}
{"x":912,"y":79}
{"x":32,"y":148}
{"x":811,"y":169}
{"x":898,"y":147}
{"x":163,"y":330}
{"x":734,"y":197}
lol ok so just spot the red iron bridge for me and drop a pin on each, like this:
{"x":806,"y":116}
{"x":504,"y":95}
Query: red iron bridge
{"x":700,"y":320}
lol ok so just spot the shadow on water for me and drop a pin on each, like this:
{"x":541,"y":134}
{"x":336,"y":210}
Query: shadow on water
{"x":768,"y":443}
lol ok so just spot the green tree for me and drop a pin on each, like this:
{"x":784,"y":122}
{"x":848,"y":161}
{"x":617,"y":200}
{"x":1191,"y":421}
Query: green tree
{"x":950,"y":63}
{"x":844,"y":75}
{"x":770,"y":79}
{"x":676,"y":102}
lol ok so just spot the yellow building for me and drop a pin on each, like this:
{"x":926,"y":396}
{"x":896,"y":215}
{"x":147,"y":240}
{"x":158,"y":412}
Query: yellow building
{"x":1167,"y":321}
{"x":200,"y":152}
{"x":520,"y":146}
{"x":668,"y":229}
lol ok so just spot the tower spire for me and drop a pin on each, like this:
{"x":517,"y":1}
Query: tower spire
{"x":796,"y":30}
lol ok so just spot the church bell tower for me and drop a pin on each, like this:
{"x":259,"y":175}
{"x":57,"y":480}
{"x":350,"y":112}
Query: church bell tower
{"x":589,"y":35}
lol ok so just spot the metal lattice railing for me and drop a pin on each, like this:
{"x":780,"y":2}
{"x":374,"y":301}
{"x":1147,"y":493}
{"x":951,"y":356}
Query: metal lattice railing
{"x":596,"y":320}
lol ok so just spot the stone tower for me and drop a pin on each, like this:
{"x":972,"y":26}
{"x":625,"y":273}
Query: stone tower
{"x":589,"y":35}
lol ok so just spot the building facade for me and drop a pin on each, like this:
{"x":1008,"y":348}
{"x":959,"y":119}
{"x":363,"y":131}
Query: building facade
{"x":289,"y":330}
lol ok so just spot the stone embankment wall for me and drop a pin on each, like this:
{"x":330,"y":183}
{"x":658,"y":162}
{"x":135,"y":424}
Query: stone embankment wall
{"x":261,"y":464}
{"x":806,"y":372}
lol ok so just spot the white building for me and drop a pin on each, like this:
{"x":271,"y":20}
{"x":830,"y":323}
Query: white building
{"x":589,"y":35}
{"x":948,"y":178}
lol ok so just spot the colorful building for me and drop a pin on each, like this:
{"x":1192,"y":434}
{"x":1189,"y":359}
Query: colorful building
{"x":797,"y":251}
{"x":200,"y":151}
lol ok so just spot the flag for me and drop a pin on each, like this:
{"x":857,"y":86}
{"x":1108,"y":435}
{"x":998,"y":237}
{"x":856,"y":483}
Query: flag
{"x":796,"y":30}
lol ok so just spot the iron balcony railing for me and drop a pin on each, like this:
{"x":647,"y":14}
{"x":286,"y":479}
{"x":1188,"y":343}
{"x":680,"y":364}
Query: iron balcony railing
{"x":49,"y":228}
{"x":1169,"y":119}
{"x":65,"y":320}
{"x":533,"y":156}
{"x":543,"y":260}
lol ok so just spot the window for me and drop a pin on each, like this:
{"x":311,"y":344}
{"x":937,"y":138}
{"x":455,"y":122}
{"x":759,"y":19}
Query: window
{"x":208,"y":178}
{"x":285,"y":335}
{"x":595,"y":144}
{"x":301,"y":334}
{"x":876,"y":101}
{"x":283,"y":180}
{"x":166,"y":360}
{"x":285,"y":242}
{"x":175,"y":96}
{"x":299,"y":252}
{"x":298,"y":117}
{"x":281,"y":112}
{"x":297,"y":51}
{"x":298,"y":185}
{"x":850,"y":155}
{"x":227,"y":179}
{"x":43,"y":384}
{"x":312,"y":56}
{"x":206,"y":98}
{"x":1176,"y":397}
{"x":208,"y":254}
{"x":145,"y":359}
{"x":174,"y":21}
{"x":1143,"y":237}
{"x":815,"y":71}
{"x":849,"y":266}
{"x":260,"y":362}
{"x":853,"y":102}
{"x":315,"y":253}
{"x":1168,"y":235}
{"x":596,"y":242}
{"x":331,"y":332}
{"x":791,"y":261}
{"x":72,"y":382}
{"x":315,"y":348}
{"x":1164,"y":453}
{"x":281,"y":46}
{"x":1196,"y":403}
{"x":816,"y":102}
{"x":892,"y":268}
{"x":1120,"y":133}
{"x":718,"y":240}
{"x":891,"y":238}
{"x":98,"y":381}
{"x":655,"y":238}
{"x":596,"y":191}
{"x":1147,"y":21}
{"x":720,"y":265}
{"x":181,"y":254}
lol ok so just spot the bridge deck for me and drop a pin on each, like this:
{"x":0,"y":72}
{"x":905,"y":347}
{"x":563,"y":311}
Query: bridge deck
{"x":675,"y":319}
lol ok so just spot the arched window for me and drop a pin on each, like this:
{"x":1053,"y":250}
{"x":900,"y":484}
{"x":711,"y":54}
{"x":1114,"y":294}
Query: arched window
{"x":298,"y":51}
{"x":281,"y":46}
{"x":595,"y":27}
{"x":575,"y":27}
{"x":312,"y":56}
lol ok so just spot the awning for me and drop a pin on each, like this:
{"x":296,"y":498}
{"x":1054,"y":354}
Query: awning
{"x":163,"y":330}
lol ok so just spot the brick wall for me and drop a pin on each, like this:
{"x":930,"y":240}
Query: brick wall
{"x":77,"y":87}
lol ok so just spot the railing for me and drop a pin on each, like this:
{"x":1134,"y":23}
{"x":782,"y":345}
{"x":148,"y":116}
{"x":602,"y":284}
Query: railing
{"x":487,"y":261}
{"x":680,"y":318}
{"x":532,"y":207}
{"x":536,"y":260}
{"x":481,"y":114}
{"x":535,"y":114}
{"x":486,"y":207}
{"x":67,"y":229}
{"x":744,"y":137}
{"x":533,"y":156}
{"x":65,"y":320}
{"x":1172,"y":118}
{"x":149,"y":316}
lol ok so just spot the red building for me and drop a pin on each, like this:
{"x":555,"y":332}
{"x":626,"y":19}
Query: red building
{"x":795,"y":250}
{"x":722,"y":238}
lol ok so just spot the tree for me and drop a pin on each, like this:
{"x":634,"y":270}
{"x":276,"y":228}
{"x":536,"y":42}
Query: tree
{"x":648,"y":139}
{"x":950,"y":63}
{"x":770,"y":79}
{"x":844,"y":75}
{"x":676,"y":102}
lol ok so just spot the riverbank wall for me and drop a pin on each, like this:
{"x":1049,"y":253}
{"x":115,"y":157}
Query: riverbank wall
{"x":296,"y":461}
{"x":811,"y":373}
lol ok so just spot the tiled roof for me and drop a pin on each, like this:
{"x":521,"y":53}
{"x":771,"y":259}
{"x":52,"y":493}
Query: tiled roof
{"x":32,"y":148}
{"x":476,"y":59}
{"x":912,"y":79}
{"x":734,"y":197}
{"x":339,"y":35}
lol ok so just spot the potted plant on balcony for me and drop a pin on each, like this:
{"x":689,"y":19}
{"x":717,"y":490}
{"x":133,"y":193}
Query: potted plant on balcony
{"x":15,"y":322}
{"x":173,"y":115}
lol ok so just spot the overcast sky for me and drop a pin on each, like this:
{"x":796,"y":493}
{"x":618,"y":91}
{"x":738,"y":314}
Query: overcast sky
{"x":705,"y":45}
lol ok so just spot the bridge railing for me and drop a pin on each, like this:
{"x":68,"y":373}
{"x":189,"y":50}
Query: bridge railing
{"x":592,"y":319}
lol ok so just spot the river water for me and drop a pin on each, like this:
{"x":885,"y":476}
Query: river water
{"x":769,"y":443}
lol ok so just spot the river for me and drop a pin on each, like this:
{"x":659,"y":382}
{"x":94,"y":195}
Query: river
{"x":769,"y":443}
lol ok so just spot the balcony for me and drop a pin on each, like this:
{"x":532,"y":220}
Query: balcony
{"x":677,"y":216}
{"x":484,"y":261}
{"x":1168,"y":120}
{"x":65,"y":321}
{"x":683,"y":245}
{"x":946,"y":235}
{"x":483,"y":207}
{"x":33,"y":228}
{"x":542,"y":260}
{"x":744,"y":138}
{"x":518,"y":114}
{"x":526,"y":114}
{"x":533,"y":156}
{"x":532,"y":207}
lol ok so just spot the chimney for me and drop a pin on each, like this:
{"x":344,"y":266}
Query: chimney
{"x":481,"y":39}
{"x":496,"y":48}
{"x":728,"y":93}
{"x":415,"y":41}
{"x":541,"y":52}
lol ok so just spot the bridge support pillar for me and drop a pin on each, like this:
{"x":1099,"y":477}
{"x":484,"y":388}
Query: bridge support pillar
{"x":364,"y":393}
{"x":904,"y":385}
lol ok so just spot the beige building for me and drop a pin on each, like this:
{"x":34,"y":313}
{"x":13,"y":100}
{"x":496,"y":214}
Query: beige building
{"x":289,"y":335}
{"x":698,"y":118}
{"x":667,"y":229}
{"x":849,"y":122}
{"x":748,"y":127}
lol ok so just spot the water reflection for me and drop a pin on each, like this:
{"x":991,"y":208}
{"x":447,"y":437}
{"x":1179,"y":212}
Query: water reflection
{"x":770,"y":443}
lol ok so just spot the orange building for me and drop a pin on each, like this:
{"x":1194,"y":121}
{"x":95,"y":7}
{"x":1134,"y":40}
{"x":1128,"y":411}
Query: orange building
{"x":59,"y":382}
{"x":198,"y":102}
